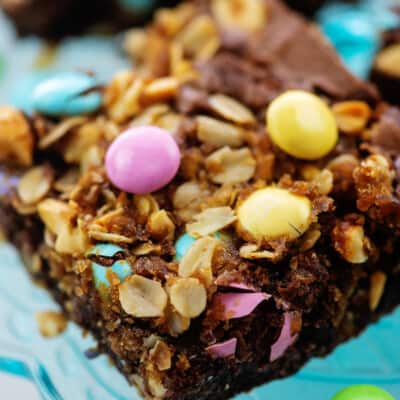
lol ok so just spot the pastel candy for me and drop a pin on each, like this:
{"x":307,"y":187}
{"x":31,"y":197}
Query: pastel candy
{"x":355,"y":30}
{"x":105,"y":250}
{"x":355,"y":37}
{"x":239,"y":305}
{"x":185,"y":242}
{"x":363,"y":392}
{"x":100,"y":273}
{"x":67,"y":93}
{"x":285,"y":340}
{"x":22,"y":90}
{"x":182,"y":246}
{"x":223,"y":349}
{"x":242,"y":286}
{"x":142,"y":160}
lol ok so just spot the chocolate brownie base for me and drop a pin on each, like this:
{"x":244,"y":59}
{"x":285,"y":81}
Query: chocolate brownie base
{"x":315,"y":287}
{"x":221,"y":380}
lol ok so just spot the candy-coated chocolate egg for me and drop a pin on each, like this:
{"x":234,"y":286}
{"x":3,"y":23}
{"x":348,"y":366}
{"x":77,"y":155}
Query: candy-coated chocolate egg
{"x":272,"y":212}
{"x":302,"y":125}
{"x":363,"y":392}
{"x":67,"y":93}
{"x":143,"y":160}
{"x":105,"y":250}
{"x":182,"y":245}
{"x":100,"y":273}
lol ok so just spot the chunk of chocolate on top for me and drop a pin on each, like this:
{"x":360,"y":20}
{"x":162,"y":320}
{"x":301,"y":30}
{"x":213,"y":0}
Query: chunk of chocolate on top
{"x":258,"y":56}
{"x":56,"y":18}
{"x":274,"y":242}
{"x":386,"y":69}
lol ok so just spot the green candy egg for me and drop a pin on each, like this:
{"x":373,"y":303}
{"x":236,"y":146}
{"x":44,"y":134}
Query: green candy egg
{"x":363,"y":392}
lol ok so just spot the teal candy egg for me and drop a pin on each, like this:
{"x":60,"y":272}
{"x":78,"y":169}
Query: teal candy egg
{"x":182,"y":245}
{"x":354,"y":35}
{"x":105,"y":250}
{"x":355,"y":30}
{"x":21,"y":92}
{"x":67,"y":93}
{"x":121,"y":268}
{"x":363,"y":392}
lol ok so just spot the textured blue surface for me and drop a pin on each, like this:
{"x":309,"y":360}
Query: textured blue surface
{"x":60,"y":370}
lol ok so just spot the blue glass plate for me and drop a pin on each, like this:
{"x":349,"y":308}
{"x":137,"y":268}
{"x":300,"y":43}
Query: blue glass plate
{"x":59,"y":369}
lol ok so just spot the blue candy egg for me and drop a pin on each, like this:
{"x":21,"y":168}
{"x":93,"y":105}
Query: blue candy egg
{"x":354,"y":35}
{"x":105,"y":250}
{"x":182,"y":246}
{"x":67,"y":93}
{"x":184,"y":243}
{"x":121,"y":268}
{"x":354,"y":30}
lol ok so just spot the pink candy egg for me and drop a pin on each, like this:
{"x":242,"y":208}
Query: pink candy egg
{"x":223,"y":350}
{"x":239,"y":305}
{"x":142,"y":160}
{"x":285,"y":340}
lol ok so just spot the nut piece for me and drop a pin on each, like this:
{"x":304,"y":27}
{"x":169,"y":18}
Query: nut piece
{"x":51,"y":323}
{"x":35,"y":184}
{"x":150,"y":115}
{"x":71,"y":240}
{"x":324,"y":181}
{"x":161,"y":356}
{"x":210,"y":221}
{"x":177,"y":324}
{"x":246,"y":15}
{"x":142,"y":297}
{"x":145,"y":204}
{"x":55,"y":214}
{"x":188,"y":296}
{"x":218,"y":133}
{"x":122,"y":96}
{"x":352,"y":116}
{"x":60,"y":131}
{"x":200,"y":38}
{"x":81,"y":141}
{"x":252,"y":252}
{"x":231,"y":166}
{"x":16,"y":139}
{"x":197,"y":262}
{"x":231,"y":109}
{"x":350,"y":242}
{"x":160,"y":225}
{"x":188,"y":198}
{"x":388,"y":61}
{"x":378,"y":283}
{"x":161,"y":89}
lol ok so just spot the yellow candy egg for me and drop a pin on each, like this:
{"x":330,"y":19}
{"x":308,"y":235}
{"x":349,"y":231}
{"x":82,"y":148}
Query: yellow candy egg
{"x":302,"y":125}
{"x":272,"y":212}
